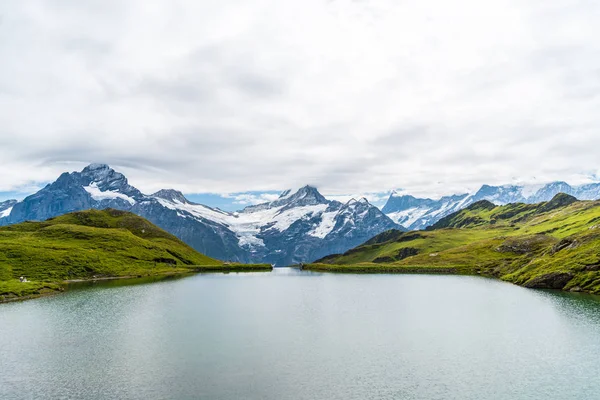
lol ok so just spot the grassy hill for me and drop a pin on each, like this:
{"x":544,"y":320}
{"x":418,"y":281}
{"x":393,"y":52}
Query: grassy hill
{"x":555,"y":245}
{"x":93,"y":244}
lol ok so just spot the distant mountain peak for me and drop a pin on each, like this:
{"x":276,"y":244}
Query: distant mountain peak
{"x":104,"y":176}
{"x":305,"y":196}
{"x":308,"y":191}
{"x":171,"y":195}
{"x":416,"y":213}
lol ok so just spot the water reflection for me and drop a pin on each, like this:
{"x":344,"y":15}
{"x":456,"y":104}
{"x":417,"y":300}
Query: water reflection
{"x":290,"y":334}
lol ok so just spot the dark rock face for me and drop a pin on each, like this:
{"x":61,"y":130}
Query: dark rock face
{"x":400,"y":255}
{"x":524,"y":245}
{"x":564,"y":244}
{"x":405,"y":202}
{"x":298,"y":227}
{"x":406,"y":252}
{"x":384,"y":260}
{"x":554,"y":280}
{"x":171,"y":195}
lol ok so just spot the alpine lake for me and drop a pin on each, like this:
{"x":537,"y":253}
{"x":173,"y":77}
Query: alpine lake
{"x":291,"y":334}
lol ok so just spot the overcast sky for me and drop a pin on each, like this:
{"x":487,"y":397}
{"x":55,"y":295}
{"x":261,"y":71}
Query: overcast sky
{"x":431,"y":96}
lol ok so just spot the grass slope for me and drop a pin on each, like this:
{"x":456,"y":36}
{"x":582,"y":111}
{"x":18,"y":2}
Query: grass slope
{"x":554,"y":244}
{"x":93,"y":244}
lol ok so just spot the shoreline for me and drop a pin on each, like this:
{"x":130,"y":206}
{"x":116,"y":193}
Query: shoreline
{"x":408,"y":270}
{"x":63,"y":286}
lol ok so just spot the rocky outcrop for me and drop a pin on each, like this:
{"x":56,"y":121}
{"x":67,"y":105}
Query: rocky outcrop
{"x":554,"y":280}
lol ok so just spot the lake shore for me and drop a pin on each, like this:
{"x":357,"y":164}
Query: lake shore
{"x":550,"y":281}
{"x":14,"y":290}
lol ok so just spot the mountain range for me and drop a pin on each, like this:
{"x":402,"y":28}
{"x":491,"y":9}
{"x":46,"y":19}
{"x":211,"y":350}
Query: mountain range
{"x":299,"y":226}
{"x":418,"y":213}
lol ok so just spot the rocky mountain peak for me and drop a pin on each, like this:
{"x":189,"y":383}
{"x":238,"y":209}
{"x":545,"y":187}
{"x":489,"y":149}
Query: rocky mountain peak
{"x":305,"y":196}
{"x":104,"y":176}
{"x":171,"y":195}
{"x":308,"y":195}
{"x":398,"y":202}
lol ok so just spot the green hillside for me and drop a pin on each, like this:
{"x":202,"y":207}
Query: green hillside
{"x":90,"y":245}
{"x":555,"y":244}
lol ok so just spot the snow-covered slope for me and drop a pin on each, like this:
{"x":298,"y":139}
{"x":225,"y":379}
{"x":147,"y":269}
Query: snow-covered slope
{"x":414,"y":213}
{"x":299,"y":226}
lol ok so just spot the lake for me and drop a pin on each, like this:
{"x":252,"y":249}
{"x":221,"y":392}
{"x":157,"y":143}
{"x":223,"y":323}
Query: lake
{"x":300,"y":335}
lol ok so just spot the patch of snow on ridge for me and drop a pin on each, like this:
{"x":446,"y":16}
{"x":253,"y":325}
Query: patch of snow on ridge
{"x":283,"y":220}
{"x":408,"y":217}
{"x":99,"y":195}
{"x":6,"y":212}
{"x":325,"y":226}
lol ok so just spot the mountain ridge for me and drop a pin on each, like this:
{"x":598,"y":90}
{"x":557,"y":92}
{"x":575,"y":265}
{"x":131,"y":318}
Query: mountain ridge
{"x":418,"y":213}
{"x":297,"y":227}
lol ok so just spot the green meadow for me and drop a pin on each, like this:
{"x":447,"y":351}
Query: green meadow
{"x":94,"y":245}
{"x":553,"y":245}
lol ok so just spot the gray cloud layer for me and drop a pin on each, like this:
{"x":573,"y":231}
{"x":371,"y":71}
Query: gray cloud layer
{"x":353,"y":96}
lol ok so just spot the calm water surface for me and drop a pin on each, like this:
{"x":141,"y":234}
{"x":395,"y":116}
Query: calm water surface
{"x":295,"y":335}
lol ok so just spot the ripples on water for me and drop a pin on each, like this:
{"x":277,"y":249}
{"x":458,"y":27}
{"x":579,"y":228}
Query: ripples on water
{"x":300,"y":335}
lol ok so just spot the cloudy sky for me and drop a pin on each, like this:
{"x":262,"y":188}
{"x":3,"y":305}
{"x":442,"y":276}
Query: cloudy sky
{"x":362,"y":96}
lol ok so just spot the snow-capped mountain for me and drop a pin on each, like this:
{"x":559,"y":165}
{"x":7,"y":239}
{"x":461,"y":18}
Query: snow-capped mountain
{"x":297,"y":227}
{"x":97,"y":186}
{"x":415,"y":213}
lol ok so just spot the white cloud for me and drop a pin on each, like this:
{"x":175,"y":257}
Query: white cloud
{"x":433,"y":96}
